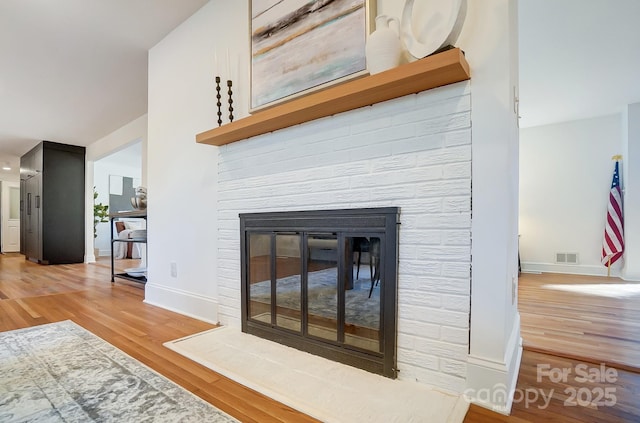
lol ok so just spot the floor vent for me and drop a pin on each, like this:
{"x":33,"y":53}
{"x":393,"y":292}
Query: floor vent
{"x":567,"y":258}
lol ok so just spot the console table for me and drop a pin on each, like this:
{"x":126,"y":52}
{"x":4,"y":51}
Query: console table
{"x":135,"y":214}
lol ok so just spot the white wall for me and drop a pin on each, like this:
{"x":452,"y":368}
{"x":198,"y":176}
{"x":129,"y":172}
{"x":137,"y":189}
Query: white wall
{"x":182,"y":203}
{"x":136,"y":130}
{"x":565,"y":176}
{"x":631,"y":190}
{"x":490,"y":40}
{"x":183,"y":175}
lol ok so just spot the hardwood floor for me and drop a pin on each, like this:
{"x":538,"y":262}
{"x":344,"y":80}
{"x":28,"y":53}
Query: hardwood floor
{"x":31,"y":294}
{"x":543,"y":394}
{"x":575,"y":323}
{"x":590,"y":318}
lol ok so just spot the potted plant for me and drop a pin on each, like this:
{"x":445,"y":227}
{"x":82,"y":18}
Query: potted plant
{"x":100,"y":214}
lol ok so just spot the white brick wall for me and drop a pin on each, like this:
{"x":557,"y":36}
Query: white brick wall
{"x":414,"y":153}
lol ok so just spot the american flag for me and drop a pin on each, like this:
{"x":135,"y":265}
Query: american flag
{"x":613,"y":244}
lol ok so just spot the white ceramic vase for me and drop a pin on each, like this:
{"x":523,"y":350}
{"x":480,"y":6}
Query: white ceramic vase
{"x":383,"y":49}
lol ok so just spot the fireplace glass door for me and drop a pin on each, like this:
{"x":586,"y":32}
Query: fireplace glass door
{"x":323,"y":291}
{"x":322,"y":286}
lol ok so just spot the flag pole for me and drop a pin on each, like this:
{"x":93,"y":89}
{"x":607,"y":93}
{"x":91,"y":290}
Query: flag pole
{"x":617,"y":157}
{"x":609,"y":268}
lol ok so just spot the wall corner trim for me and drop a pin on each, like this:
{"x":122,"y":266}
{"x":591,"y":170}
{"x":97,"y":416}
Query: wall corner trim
{"x":491,"y":384}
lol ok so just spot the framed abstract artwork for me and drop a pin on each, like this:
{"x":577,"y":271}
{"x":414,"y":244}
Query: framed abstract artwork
{"x":299,"y":46}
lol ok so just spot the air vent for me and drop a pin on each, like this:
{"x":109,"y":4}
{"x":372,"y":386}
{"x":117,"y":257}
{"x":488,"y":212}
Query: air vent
{"x":567,"y":258}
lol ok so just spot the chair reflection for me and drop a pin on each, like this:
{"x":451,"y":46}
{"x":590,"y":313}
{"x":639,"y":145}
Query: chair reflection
{"x":372,"y":247}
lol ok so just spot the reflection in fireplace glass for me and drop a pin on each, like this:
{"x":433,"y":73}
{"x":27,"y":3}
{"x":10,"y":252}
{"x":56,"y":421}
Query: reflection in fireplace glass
{"x":260,"y":277}
{"x":361,"y":286}
{"x":288,"y":282}
{"x":362,"y":301}
{"x":322,"y":286}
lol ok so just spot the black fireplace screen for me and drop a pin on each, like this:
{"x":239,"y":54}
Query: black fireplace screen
{"x":324,"y":282}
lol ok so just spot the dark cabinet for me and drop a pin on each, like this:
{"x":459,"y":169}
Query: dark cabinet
{"x":23,"y":213}
{"x":53,"y":203}
{"x":33,"y":247}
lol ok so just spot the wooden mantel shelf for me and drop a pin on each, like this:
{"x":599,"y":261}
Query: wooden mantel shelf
{"x":434,"y":71}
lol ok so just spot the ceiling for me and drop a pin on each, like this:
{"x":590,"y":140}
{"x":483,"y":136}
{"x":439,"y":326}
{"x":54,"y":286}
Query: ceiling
{"x":578,"y":59}
{"x":74,"y":71}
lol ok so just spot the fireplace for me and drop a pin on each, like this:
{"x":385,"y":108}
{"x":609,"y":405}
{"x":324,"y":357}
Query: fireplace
{"x":418,"y":161}
{"x":323,"y":281}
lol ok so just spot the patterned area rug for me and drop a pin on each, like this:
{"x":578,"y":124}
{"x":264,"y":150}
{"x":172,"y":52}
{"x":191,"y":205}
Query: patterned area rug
{"x":61,"y":373}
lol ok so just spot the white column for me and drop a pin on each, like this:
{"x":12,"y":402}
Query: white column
{"x":496,"y":346}
{"x":631,"y":185}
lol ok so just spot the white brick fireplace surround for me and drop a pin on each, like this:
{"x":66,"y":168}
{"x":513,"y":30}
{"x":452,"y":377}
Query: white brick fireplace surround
{"x":414,"y":153}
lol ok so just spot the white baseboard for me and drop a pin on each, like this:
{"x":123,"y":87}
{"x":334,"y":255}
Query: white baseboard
{"x":572,"y":269}
{"x":492,"y":384}
{"x":631,"y":277}
{"x":182,"y":302}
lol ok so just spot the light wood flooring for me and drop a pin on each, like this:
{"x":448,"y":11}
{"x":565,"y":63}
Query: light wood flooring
{"x":576,"y":323}
{"x":585,"y":317}
{"x":32,"y":294}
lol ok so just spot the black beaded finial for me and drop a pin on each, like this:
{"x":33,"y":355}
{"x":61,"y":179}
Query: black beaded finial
{"x":230,"y":92}
{"x":219,"y":103}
